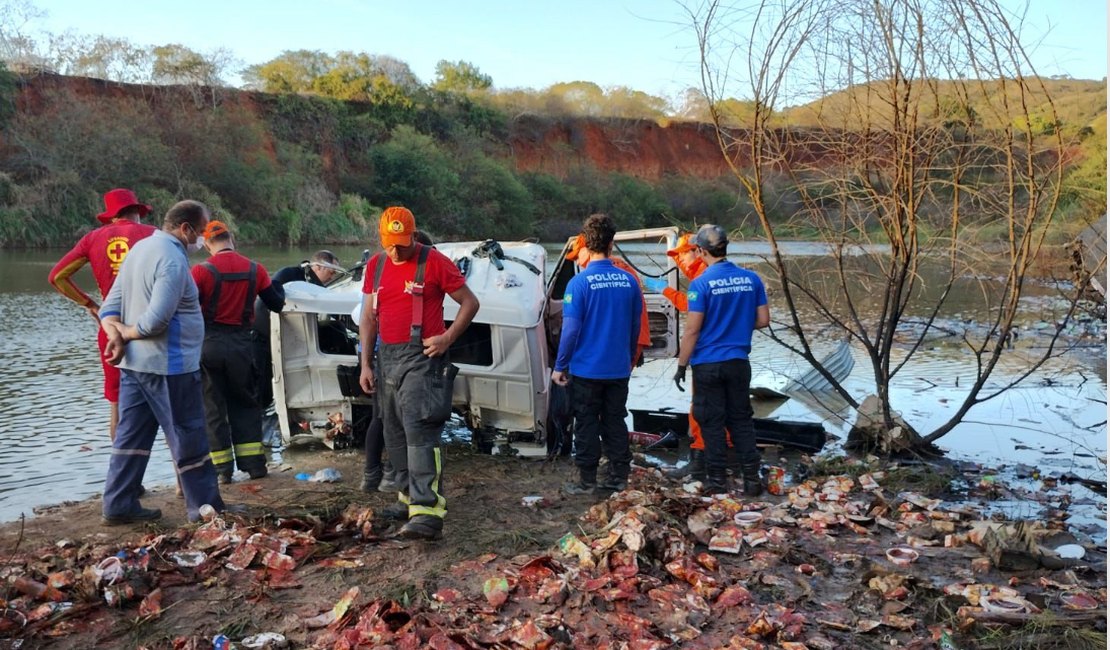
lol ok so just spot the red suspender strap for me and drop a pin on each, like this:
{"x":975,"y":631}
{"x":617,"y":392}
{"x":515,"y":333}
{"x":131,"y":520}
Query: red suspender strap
{"x":418,"y":295}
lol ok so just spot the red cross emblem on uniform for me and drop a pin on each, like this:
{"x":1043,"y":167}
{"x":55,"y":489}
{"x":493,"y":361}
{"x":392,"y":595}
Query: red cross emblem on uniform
{"x":117,"y":250}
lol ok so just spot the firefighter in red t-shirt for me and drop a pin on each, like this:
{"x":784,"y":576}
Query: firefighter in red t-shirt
{"x":227,"y":285}
{"x":104,"y":249}
{"x":403,"y":307}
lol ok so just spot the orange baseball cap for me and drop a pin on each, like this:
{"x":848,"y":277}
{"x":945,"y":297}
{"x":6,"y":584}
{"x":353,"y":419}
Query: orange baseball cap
{"x":396,"y":227}
{"x":214,"y":229}
{"x":684,"y":244}
{"x":576,"y":247}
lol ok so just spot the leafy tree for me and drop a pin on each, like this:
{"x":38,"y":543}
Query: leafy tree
{"x":412,"y":170}
{"x":622,"y":101}
{"x":460,"y":77}
{"x":494,"y":201}
{"x":177,"y":64}
{"x":579,"y":97}
{"x":632,"y":202}
{"x":293,"y":71}
{"x":103,"y":57}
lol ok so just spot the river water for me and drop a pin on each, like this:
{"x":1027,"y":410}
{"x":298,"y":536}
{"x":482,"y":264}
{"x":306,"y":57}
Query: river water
{"x":55,"y":444}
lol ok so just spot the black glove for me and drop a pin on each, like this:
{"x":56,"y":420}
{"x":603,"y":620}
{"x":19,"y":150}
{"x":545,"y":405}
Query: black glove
{"x":679,"y":377}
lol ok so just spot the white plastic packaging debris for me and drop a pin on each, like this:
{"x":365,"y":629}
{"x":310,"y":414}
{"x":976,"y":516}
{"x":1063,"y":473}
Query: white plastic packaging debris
{"x":189,"y":558}
{"x":326,"y":475}
{"x":265,"y":640}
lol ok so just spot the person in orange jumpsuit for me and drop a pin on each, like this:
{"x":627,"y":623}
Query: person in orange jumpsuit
{"x":691,"y":265}
{"x":103,"y":250}
{"x":581,"y":256}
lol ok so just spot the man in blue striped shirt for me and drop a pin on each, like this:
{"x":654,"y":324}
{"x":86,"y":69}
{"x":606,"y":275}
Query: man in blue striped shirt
{"x":597,"y":348}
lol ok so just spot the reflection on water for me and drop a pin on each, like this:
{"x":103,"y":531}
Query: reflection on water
{"x":56,"y":448}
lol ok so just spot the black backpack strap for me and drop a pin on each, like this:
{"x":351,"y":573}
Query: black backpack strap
{"x":209,"y":308}
{"x":248,"y":302}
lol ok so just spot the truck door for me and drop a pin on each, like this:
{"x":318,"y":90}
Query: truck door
{"x":645,"y":251}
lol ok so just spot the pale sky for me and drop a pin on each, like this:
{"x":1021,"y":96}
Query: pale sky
{"x":642,"y":44}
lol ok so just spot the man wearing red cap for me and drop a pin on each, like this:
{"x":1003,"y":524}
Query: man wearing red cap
{"x":404,"y":287}
{"x":104,"y":249}
{"x":227,"y":285}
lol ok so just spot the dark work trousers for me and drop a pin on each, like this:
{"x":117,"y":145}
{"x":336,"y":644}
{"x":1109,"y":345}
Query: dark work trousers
{"x":234,"y":417}
{"x":415,"y":398}
{"x":175,"y":403}
{"x":599,"y":410}
{"x":721,"y":401}
{"x":263,"y":363}
{"x":375,"y":444}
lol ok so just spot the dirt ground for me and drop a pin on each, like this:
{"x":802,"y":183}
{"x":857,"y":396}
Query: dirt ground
{"x":486,"y":515}
{"x":634,"y":571}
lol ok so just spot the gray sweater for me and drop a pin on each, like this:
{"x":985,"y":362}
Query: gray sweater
{"x":155,"y":292}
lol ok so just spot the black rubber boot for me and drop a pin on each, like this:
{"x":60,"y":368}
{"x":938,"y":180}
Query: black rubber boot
{"x":587,"y":483}
{"x":613,"y":484}
{"x":732,"y":459}
{"x":396,"y":510}
{"x":697,"y":464}
{"x":422,"y":527}
{"x":694,"y":468}
{"x":753,"y":484}
{"x":371,"y":480}
{"x":716,"y":483}
{"x":224,"y":471}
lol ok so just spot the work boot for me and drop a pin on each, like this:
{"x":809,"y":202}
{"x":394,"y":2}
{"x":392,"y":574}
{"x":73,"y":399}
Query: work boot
{"x":223,"y":472}
{"x":732,"y":460}
{"x":258,"y":472}
{"x":716,"y":483}
{"x":612,"y":484}
{"x":136,"y":516}
{"x":695,"y":468}
{"x":396,"y":510}
{"x":388,"y":483}
{"x":422,"y":527}
{"x":371,"y":480}
{"x":587,"y":483}
{"x":753,"y":484}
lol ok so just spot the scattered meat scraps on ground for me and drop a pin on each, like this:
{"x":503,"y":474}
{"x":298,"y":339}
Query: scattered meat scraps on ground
{"x":837,"y":561}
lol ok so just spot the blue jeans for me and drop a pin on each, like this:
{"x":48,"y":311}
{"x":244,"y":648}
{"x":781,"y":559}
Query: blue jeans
{"x":176,"y":403}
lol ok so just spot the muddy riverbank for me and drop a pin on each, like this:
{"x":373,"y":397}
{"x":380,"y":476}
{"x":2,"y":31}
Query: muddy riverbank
{"x":653,"y":567}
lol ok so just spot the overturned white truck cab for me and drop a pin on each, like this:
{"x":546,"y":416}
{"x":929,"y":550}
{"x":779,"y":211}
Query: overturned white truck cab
{"x":504,"y":358}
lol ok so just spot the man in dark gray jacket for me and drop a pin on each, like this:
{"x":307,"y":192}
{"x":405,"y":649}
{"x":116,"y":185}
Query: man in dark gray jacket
{"x":155,"y":332}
